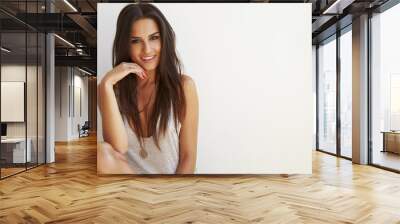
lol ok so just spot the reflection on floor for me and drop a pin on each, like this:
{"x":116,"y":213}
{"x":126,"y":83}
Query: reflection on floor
{"x":346,"y":152}
{"x":387,"y":159}
{"x":13,"y":169}
{"x":10,"y":171}
{"x":70,"y":191}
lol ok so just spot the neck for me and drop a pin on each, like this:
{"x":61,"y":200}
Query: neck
{"x":150,"y":79}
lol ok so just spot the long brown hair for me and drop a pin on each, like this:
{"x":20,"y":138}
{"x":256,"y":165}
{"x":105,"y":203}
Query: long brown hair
{"x":168,"y":80}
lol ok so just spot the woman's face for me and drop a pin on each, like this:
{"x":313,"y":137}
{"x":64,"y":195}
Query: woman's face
{"x":145,"y":44}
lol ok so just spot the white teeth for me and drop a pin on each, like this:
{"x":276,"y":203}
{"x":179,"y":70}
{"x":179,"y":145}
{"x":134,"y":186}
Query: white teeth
{"x":148,"y":58}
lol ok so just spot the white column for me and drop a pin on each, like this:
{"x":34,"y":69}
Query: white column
{"x":50,"y":92}
{"x":50,"y":109}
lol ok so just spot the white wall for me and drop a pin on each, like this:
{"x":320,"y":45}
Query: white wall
{"x":13,"y":95}
{"x":61,"y":103}
{"x":69,"y":79}
{"x":16,"y":73}
{"x":33,"y":126}
{"x":80,"y":83}
{"x":12,"y":100}
{"x":252,"y":68}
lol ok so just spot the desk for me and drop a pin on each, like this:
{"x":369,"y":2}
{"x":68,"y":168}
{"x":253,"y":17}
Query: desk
{"x":391,"y":141}
{"x":13,"y":150}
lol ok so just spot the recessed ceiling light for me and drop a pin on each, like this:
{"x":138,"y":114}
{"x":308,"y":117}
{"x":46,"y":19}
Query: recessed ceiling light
{"x":64,"y":40}
{"x":70,"y":5}
{"x":5,"y":50}
{"x":337,"y":7}
{"x":84,"y":71}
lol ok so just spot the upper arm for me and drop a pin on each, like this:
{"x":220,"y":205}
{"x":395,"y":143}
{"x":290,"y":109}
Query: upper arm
{"x":189,"y":123}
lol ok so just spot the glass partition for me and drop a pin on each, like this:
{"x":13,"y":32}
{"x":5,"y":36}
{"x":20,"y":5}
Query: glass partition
{"x":327,"y":96}
{"x":13,"y":95}
{"x":41,"y":109}
{"x":31,"y":99}
{"x":22,"y":77}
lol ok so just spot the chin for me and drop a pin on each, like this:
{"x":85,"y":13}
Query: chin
{"x":149,"y":67}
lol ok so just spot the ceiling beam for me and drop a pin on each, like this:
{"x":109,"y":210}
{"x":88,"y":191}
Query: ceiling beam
{"x":337,"y":6}
{"x":84,"y":24}
{"x":82,"y":61}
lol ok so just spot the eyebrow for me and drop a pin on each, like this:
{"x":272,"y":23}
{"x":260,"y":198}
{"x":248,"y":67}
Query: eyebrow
{"x":133,"y":37}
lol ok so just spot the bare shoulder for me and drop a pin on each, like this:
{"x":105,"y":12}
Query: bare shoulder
{"x":188,"y":83}
{"x":187,"y":80}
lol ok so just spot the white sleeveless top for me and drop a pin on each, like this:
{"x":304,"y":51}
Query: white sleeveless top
{"x":164,"y":161}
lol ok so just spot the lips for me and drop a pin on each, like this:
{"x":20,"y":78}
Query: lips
{"x":148,"y":58}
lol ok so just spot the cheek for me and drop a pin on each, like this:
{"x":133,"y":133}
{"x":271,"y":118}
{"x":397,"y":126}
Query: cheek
{"x":157,"y":47}
{"x":134,"y":53}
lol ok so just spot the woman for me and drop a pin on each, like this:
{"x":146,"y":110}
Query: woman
{"x":149,"y":108}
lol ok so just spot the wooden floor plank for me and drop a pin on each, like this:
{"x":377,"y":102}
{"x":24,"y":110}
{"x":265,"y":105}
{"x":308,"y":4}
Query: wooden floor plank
{"x":70,"y":191}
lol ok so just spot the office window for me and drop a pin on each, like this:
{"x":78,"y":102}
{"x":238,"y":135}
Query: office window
{"x":346,"y":93}
{"x":385,"y":91}
{"x":314,"y":75}
{"x":327,"y":96}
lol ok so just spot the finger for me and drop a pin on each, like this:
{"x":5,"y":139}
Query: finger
{"x":144,"y":74}
{"x":141,"y":75}
{"x":134,"y":65}
{"x":142,"y":70}
{"x":129,"y":64}
{"x":135,"y":68}
{"x":136,"y":72}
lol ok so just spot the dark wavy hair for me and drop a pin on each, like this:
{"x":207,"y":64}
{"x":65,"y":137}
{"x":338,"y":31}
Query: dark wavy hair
{"x":168,"y":80}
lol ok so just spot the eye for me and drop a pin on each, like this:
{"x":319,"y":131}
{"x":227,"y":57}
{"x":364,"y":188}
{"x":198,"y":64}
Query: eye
{"x":134,"y":41}
{"x":154,"y":37}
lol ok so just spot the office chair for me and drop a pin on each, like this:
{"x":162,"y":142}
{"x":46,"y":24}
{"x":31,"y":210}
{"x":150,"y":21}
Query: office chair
{"x":84,"y":130}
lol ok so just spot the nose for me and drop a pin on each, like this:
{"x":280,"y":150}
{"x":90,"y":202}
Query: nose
{"x":147,"y":48}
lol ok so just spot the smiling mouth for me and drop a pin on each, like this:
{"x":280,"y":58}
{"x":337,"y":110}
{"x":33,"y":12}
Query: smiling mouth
{"x":147,"y":59}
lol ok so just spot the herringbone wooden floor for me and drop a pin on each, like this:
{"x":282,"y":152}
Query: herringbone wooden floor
{"x":70,"y":191}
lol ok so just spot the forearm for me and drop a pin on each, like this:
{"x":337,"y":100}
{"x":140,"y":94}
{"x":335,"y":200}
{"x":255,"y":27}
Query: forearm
{"x":186,"y":165}
{"x":113,"y":127}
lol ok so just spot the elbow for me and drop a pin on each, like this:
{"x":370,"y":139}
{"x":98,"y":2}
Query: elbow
{"x":122,"y":148}
{"x":118,"y":142}
{"x":118,"y":146}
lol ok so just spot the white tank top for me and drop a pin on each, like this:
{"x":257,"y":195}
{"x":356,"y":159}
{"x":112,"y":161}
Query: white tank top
{"x":164,"y":161}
